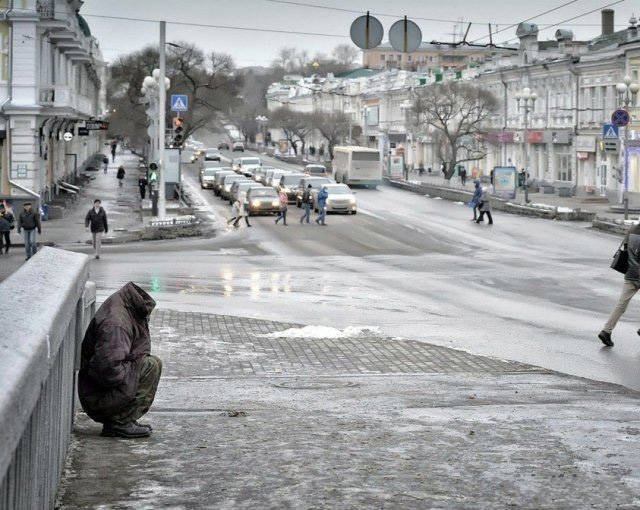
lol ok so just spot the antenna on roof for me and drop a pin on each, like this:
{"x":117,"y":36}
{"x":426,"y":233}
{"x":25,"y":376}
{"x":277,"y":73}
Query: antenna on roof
{"x":464,"y":39}
{"x":490,"y":37}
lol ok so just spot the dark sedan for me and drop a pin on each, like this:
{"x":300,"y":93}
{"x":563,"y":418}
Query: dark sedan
{"x":262,"y":201}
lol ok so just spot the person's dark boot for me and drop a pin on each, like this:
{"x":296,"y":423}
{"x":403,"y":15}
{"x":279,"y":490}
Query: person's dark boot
{"x":129,"y":430}
{"x":146,"y":425}
{"x":605,"y":337}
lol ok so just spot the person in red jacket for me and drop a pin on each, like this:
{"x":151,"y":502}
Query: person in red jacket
{"x":118,"y":374}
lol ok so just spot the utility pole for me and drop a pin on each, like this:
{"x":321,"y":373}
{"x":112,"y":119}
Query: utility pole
{"x":162,"y":105}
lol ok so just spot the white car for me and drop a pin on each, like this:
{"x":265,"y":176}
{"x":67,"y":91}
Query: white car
{"x":212,"y":155}
{"x":341,"y":199}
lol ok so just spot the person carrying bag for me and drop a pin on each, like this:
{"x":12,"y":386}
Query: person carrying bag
{"x":627,"y":261}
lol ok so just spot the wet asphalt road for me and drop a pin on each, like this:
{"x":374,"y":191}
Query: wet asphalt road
{"x":525,"y":289}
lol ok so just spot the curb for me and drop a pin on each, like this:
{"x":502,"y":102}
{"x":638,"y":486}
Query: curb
{"x":498,"y":204}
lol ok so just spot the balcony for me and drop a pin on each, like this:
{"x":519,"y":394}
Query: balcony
{"x":61,"y":97}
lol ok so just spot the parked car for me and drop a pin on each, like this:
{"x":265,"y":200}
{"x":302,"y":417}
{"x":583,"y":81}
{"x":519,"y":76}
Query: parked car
{"x":212,"y":155}
{"x":289,"y":184}
{"x":207,"y":177}
{"x":316,"y":171}
{"x":227,"y":182}
{"x":262,"y":200}
{"x":224,"y":146}
{"x":218,"y":180}
{"x":316,"y":183}
{"x":341,"y":199}
{"x":241,"y":187}
{"x":238,"y":147}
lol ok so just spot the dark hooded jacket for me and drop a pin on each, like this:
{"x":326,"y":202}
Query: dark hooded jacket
{"x":113,"y":348}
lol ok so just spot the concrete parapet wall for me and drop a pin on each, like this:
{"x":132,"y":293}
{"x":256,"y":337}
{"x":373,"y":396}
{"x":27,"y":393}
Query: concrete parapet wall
{"x":499,"y":204}
{"x":51,"y":307}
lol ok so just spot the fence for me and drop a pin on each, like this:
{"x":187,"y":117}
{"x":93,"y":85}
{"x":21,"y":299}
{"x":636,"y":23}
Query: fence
{"x":51,"y":303}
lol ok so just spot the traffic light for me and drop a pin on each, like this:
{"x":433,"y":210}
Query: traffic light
{"x":178,"y":130}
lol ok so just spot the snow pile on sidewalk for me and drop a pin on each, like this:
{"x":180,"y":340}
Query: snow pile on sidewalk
{"x":318,"y":332}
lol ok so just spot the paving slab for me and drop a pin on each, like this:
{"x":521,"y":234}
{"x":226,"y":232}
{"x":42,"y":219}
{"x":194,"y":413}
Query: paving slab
{"x":245,"y":418}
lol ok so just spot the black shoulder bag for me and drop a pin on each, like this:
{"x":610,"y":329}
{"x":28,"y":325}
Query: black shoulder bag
{"x":620,"y":260}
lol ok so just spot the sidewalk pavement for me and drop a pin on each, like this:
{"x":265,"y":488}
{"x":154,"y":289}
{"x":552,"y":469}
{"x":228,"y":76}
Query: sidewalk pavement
{"x":122,"y":205}
{"x":592,"y":203}
{"x":249,"y":416}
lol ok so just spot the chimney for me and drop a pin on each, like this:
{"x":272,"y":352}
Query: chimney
{"x":607,"y":22}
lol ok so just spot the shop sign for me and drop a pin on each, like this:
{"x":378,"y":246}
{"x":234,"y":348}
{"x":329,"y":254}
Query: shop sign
{"x":535,"y":137}
{"x":582,"y":155}
{"x":504,"y":181}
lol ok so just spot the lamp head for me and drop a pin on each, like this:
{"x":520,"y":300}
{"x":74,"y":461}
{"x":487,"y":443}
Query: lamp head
{"x":156,"y":74}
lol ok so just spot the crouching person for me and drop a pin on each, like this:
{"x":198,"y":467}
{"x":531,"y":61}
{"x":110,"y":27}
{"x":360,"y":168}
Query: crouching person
{"x":118,"y":376}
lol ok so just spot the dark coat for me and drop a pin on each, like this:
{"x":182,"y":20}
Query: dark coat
{"x":113,"y":349}
{"x":121,"y":173}
{"x":632,"y":244}
{"x":97,"y":220}
{"x":6,"y":222}
{"x":29,"y":220}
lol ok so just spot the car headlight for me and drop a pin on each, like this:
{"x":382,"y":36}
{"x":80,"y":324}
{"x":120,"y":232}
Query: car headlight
{"x":255,"y":203}
{"x":227,"y":188}
{"x":275,"y":203}
{"x":352,"y":200}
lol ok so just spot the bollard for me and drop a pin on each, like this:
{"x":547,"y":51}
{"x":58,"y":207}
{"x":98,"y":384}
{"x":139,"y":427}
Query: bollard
{"x":626,"y":208}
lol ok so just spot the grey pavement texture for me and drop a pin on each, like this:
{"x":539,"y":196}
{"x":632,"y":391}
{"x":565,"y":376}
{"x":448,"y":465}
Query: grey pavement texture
{"x":243,"y":420}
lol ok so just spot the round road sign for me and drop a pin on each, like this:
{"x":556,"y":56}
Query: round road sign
{"x":620,"y":118}
{"x":67,"y":137}
{"x":366,"y":32}
{"x":405,"y":36}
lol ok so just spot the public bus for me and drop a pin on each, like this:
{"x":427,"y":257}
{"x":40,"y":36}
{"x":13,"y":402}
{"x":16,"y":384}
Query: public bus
{"x":357,"y":166}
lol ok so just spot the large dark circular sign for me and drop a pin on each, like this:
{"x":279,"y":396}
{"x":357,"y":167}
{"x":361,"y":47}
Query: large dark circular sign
{"x":405,"y":36}
{"x":367,"y":32}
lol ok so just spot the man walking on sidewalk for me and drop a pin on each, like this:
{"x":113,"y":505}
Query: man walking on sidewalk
{"x":30,"y":222}
{"x":114,"y":146}
{"x":6,"y":226}
{"x":630,"y":286}
{"x":96,"y":219}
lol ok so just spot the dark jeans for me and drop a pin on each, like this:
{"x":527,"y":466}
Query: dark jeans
{"x":30,"y":245}
{"x":237,"y":220}
{"x":475,"y":212}
{"x":143,"y":191}
{"x":481,"y":218}
{"x":7,"y":241}
{"x":147,"y":386}
{"x":282,"y":215}
{"x":307,"y":212}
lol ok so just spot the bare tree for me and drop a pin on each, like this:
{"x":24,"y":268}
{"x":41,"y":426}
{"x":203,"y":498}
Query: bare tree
{"x":456,"y":112}
{"x":345,"y":54}
{"x":334,"y":127}
{"x":296,"y":126}
{"x":286,"y":59}
{"x":208,"y":80}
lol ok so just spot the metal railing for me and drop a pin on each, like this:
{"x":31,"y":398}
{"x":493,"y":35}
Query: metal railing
{"x":52,"y":303}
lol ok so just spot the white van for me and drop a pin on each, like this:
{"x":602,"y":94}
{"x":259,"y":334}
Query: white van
{"x":357,"y":165}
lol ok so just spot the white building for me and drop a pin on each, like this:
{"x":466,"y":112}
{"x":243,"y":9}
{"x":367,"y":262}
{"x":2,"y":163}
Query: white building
{"x":575,"y":82}
{"x":52,"y":80}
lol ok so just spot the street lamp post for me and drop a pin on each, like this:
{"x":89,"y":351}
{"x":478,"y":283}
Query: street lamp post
{"x":526,"y":101}
{"x":262,"y":122}
{"x":627,"y":92}
{"x":154,"y":93}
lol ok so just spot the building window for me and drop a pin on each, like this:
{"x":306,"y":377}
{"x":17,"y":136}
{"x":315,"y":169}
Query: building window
{"x":409,"y":58}
{"x":382,"y":57}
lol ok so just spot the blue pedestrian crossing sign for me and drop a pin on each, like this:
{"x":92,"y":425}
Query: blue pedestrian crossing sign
{"x":179,"y":103}
{"x":609,"y":132}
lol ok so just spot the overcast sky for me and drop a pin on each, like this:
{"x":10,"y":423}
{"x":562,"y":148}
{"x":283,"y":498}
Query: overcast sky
{"x":259,"y":48}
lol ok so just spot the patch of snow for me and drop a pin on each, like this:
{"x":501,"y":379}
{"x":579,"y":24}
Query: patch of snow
{"x":459,"y":203}
{"x":318,"y":332}
{"x":565,"y":210}
{"x":437,"y":198}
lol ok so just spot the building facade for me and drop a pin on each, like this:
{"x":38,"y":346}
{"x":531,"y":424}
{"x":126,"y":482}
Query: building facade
{"x":52,"y":81}
{"x":564,"y":139}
